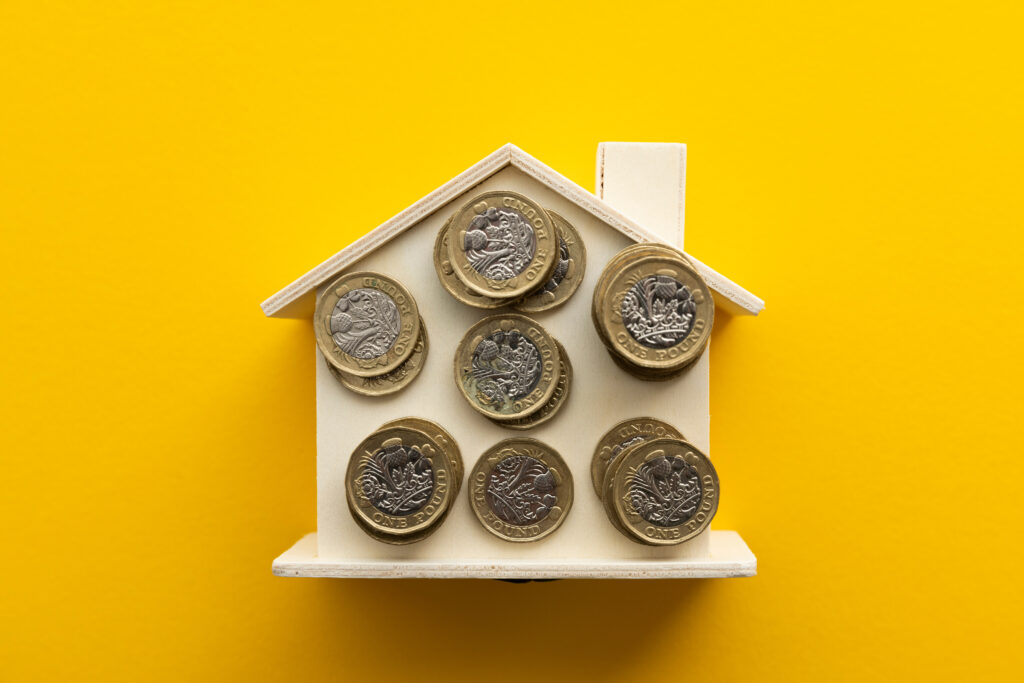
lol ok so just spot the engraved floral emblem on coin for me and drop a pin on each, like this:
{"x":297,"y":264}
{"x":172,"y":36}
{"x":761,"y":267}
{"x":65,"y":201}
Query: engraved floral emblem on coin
{"x":365,"y":323}
{"x":561,"y":268}
{"x":500,"y":243}
{"x":507,"y":366}
{"x":665,"y":490}
{"x":397,"y":479}
{"x":520,"y":490}
{"x":658,"y":311}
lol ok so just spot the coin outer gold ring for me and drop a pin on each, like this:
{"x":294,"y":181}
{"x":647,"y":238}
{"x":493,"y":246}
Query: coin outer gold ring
{"x":399,"y":525}
{"x":652,"y":534}
{"x":554,"y":404}
{"x":546,"y":347}
{"x":536,"y":273}
{"x":450,"y":281}
{"x":481,"y":473}
{"x":390,"y":382}
{"x":645,"y":428}
{"x":545,"y":301}
{"x":405,"y":342}
{"x":623,"y":343}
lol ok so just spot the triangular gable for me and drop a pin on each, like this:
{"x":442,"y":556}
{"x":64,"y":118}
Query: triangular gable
{"x":284,"y":303}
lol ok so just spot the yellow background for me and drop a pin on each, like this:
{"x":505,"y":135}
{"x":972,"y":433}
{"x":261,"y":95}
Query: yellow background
{"x":166,"y":166}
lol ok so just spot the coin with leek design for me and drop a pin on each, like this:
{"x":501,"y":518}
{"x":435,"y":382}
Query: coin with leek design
{"x":554,"y":404}
{"x":450,"y":282}
{"x":502,"y":245}
{"x":507,"y":366}
{"x":620,"y":437}
{"x":656,"y":313}
{"x":521,"y":490}
{"x":570,"y":265}
{"x":389,"y":382}
{"x":442,"y":438}
{"x":398,"y":481}
{"x":366,"y":324}
{"x":664,"y":491}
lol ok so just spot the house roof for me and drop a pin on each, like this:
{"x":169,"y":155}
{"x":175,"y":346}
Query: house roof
{"x":287,"y":303}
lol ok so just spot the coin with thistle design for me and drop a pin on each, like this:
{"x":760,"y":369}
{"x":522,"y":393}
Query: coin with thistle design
{"x":619,"y":438}
{"x":569,"y":269}
{"x":366,"y":324}
{"x":521,"y":490}
{"x":664,"y":491}
{"x":657,"y":313}
{"x":507,"y":366}
{"x":398,"y":481}
{"x":502,"y":245}
{"x":554,"y":404}
{"x":450,"y":281}
{"x":441,"y":436}
{"x":389,"y":382}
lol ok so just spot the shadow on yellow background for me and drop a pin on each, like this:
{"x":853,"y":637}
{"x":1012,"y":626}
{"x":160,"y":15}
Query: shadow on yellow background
{"x":165,"y":166}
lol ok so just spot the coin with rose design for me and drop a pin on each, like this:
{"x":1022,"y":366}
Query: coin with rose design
{"x":521,"y":490}
{"x":450,"y":281}
{"x":620,"y":437}
{"x":554,"y":404}
{"x":390,"y":382}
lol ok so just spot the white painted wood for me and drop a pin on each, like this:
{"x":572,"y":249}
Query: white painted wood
{"x":294,"y":300}
{"x":729,"y":557}
{"x":647,"y":181}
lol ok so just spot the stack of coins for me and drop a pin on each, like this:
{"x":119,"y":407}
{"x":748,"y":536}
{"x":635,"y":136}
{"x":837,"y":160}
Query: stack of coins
{"x":656,"y":487}
{"x":521,"y":490}
{"x":369,"y":331}
{"x":503,"y":249}
{"x":511,"y":370}
{"x":653,"y":311}
{"x":402,"y":480}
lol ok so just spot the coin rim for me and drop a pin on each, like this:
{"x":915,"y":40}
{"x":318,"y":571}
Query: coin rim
{"x":350,"y":381}
{"x":334,"y":355}
{"x":555,"y":463}
{"x":463,"y":358}
{"x":567,"y":287}
{"x":351,"y":495}
{"x":518,"y":286}
{"x":618,"y":483}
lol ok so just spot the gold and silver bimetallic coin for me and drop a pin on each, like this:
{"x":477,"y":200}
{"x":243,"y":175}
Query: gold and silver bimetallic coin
{"x":521,"y":490}
{"x":389,"y":382}
{"x":569,"y":269}
{"x":653,"y":310}
{"x":507,"y":366}
{"x":502,"y":245}
{"x":450,"y":281}
{"x":554,"y":404}
{"x":661,"y":492}
{"x":622,"y":436}
{"x":442,"y":438}
{"x":366,"y":324}
{"x":399,"y":482}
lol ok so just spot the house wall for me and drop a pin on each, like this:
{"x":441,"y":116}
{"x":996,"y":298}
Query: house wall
{"x":601,"y":395}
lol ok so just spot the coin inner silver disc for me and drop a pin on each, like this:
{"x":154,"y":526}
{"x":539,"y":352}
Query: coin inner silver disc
{"x":521,"y":490}
{"x":500,"y":243}
{"x":666,"y":491}
{"x":365,"y":323}
{"x":658,"y":311}
{"x":506,"y":366}
{"x":397,"y":480}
